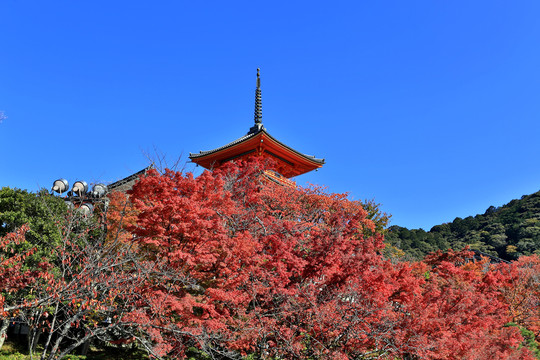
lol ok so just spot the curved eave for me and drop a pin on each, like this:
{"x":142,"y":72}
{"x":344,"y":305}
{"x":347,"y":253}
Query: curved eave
{"x":263,"y":144}
{"x":311,"y":159}
{"x":297,"y":163}
{"x":232,"y":144}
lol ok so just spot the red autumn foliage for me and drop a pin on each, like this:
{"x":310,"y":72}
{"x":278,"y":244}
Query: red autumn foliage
{"x":461,"y":314}
{"x":521,"y":291}
{"x":298,"y":273}
{"x":120,"y":215}
{"x":233,"y":264}
{"x":15,"y":277}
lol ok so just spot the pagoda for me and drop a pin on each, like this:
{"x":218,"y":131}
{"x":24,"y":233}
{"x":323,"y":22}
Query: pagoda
{"x":258,"y":142}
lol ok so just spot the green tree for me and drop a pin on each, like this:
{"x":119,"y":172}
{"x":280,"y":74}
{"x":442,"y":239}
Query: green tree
{"x":41,"y":213}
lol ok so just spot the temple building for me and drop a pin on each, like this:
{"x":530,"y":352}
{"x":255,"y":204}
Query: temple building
{"x":258,"y":142}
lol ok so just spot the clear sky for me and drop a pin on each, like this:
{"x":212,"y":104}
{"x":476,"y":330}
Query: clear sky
{"x":431,"y":108}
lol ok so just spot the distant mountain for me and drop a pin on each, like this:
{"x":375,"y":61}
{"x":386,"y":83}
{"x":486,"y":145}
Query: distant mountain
{"x":507,"y":232}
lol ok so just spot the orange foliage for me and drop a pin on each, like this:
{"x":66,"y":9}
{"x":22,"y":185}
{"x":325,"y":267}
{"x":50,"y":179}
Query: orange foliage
{"x":120,"y":215}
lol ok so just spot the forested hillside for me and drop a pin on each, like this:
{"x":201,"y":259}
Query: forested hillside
{"x":507,"y":232}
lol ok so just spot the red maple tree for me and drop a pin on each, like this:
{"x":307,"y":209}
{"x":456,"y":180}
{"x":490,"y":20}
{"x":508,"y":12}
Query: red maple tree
{"x":294,"y":272}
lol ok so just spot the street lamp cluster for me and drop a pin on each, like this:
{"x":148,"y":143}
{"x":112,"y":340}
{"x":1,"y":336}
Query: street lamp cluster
{"x":79,"y":195}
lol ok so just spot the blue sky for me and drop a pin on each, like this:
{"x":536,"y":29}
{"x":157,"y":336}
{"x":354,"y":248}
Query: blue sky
{"x":430,"y":108}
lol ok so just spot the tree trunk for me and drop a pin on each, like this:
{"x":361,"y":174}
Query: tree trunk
{"x":33,"y":338}
{"x":3,"y":331}
{"x":85,"y":347}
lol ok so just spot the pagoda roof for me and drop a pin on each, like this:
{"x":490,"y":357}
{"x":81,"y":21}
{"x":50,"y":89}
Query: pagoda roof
{"x":258,"y":142}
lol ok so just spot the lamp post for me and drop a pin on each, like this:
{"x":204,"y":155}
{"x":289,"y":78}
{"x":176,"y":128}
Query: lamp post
{"x":81,"y":198}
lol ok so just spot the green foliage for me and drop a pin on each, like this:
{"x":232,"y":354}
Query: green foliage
{"x":18,"y":351}
{"x":12,"y":351}
{"x":507,"y":232}
{"x":529,"y":339}
{"x":196,"y":354}
{"x":374,"y":213}
{"x":41,"y":211}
